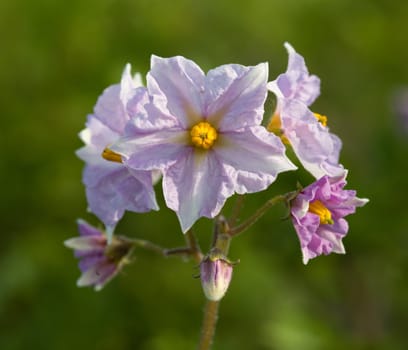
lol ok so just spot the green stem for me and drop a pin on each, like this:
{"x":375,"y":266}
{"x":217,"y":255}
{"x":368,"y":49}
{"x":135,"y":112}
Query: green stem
{"x":209,"y":323}
{"x":221,"y":245}
{"x":192,"y":243}
{"x":236,"y":210}
{"x":146,"y":245}
{"x":257,"y":215}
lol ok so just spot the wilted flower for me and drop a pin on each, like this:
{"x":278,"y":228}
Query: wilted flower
{"x":203,"y":132}
{"x":111,"y":187}
{"x":306,"y":132}
{"x":215,"y":276}
{"x":318,"y":214}
{"x":99,"y":262}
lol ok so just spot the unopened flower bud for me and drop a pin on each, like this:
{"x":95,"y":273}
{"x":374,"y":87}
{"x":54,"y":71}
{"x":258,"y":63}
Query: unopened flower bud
{"x":216,"y":276}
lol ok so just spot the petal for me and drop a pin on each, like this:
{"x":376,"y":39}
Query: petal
{"x":235,"y":96}
{"x":106,"y":273}
{"x":148,"y":114}
{"x":86,"y":229}
{"x":110,"y":110}
{"x":197,"y":185}
{"x":88,"y":261}
{"x":254,"y":156}
{"x":96,"y":273}
{"x":179,"y":83}
{"x":86,"y":243}
{"x":129,"y":84}
{"x":296,"y":83}
{"x":96,"y":137}
{"x":152,"y":151}
{"x":117,"y":191}
{"x":311,"y":141}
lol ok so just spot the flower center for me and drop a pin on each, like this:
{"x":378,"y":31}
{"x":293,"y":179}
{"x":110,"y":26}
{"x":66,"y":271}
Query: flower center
{"x":321,"y":118}
{"x":203,"y":135}
{"x":111,"y":156}
{"x":318,"y":208}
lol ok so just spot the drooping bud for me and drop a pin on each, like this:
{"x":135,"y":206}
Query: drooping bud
{"x":216,"y":276}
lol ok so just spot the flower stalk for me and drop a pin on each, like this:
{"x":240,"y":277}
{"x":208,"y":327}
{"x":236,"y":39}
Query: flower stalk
{"x":209,"y":323}
{"x":235,"y":231}
{"x":216,"y":256}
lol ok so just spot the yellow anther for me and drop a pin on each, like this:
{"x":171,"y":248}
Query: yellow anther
{"x":111,"y":156}
{"x":203,"y":135}
{"x":321,"y":118}
{"x":275,"y":126}
{"x":318,"y":208}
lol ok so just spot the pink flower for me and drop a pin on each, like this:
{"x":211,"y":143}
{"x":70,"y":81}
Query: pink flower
{"x":318,"y":214}
{"x":99,"y":262}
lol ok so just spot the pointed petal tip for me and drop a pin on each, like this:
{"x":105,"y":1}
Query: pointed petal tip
{"x":69,"y":244}
{"x":289,"y":47}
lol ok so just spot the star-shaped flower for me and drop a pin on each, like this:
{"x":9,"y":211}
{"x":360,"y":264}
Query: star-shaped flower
{"x":203,"y":132}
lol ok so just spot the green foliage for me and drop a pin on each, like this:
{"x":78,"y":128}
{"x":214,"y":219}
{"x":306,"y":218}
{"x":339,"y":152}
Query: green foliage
{"x":57,"y":57}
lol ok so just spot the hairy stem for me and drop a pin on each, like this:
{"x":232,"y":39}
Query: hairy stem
{"x":145,"y":244}
{"x":257,"y":215}
{"x":220,"y":246}
{"x":236,"y":210}
{"x":209,"y":323}
{"x":192,"y":243}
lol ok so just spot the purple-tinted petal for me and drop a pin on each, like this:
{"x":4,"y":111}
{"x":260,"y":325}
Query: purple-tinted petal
{"x":128,"y":85}
{"x":88,"y":261}
{"x":106,"y":273}
{"x":296,"y":83}
{"x":196,"y":186}
{"x":110,"y":110}
{"x":254,"y":156}
{"x":179,"y":82}
{"x":147,"y":114}
{"x":87,"y":230}
{"x":313,"y":144}
{"x":96,"y":137}
{"x":94,"y":273}
{"x":152,"y":151}
{"x":110,"y":193}
{"x":235,"y":96}
{"x":110,"y":107}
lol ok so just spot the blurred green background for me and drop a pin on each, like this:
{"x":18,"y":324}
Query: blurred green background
{"x":57,"y":57}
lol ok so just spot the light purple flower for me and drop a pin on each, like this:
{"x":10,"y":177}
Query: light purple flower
{"x":318,"y":214}
{"x":306,"y":132}
{"x":99,"y":262}
{"x":111,"y":187}
{"x":203,"y":132}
